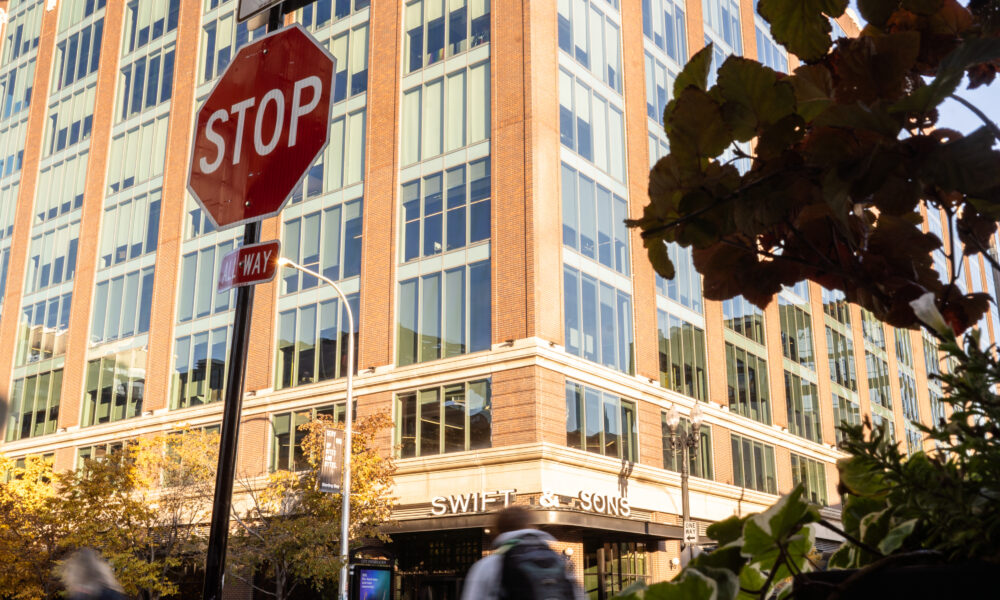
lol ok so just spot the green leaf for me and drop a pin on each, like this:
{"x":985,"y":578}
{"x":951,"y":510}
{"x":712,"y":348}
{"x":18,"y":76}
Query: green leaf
{"x":727,"y":584}
{"x":896,"y":536}
{"x":875,"y":526}
{"x":861,"y":476}
{"x":844,"y":558}
{"x":695,"y":72}
{"x":752,"y":579}
{"x":660,"y":260}
{"x":728,"y":557}
{"x":692,"y":585}
{"x":754,"y":98}
{"x":801,"y":25}
{"x":726,"y":531}
{"x":877,"y":12}
{"x":949,"y":74}
{"x":697,"y":131}
{"x":813,"y":86}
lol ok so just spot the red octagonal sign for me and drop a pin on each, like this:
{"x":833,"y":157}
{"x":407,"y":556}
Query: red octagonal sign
{"x":262,"y":127}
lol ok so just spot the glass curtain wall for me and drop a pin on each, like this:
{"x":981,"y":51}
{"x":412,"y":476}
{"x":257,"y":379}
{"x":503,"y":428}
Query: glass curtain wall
{"x":443,"y":291}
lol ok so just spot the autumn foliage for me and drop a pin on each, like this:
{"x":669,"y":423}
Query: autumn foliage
{"x":835,"y":159}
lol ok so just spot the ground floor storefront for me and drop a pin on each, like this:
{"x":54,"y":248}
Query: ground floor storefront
{"x":605,"y":553}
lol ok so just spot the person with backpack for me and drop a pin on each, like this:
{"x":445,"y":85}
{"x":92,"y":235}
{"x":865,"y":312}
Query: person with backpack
{"x":522,"y":566}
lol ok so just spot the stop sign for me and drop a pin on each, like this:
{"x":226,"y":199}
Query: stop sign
{"x":262,"y":126}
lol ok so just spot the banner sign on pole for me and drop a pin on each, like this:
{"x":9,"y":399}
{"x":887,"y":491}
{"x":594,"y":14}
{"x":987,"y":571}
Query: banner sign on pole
{"x":332,"y":470}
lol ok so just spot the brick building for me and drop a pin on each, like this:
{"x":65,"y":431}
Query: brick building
{"x":482,"y":157}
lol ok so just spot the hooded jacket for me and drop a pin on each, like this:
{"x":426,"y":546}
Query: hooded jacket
{"x":483,"y":580}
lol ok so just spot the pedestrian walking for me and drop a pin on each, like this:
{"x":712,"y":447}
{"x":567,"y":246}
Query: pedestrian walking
{"x":87,"y":576}
{"x":522,"y":567}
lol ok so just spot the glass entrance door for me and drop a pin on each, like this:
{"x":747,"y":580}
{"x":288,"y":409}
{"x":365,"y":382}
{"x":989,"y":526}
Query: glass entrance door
{"x":609,"y":568}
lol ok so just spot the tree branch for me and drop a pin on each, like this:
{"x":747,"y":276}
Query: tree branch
{"x":982,"y":116}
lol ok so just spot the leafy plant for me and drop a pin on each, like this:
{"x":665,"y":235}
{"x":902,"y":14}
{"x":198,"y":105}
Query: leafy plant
{"x":844,"y":150}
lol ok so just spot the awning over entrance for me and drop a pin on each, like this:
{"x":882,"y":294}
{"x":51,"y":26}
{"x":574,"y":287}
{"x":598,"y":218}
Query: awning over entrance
{"x":550,"y":518}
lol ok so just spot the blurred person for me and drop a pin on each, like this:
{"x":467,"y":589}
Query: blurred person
{"x":522,"y":566}
{"x":87,"y":576}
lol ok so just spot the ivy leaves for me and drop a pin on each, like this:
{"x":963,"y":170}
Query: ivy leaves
{"x":776,"y":178}
{"x":754,"y":554}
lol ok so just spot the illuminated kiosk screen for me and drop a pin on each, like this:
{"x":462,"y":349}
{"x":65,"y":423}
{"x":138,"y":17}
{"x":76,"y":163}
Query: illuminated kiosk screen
{"x":374,"y":584}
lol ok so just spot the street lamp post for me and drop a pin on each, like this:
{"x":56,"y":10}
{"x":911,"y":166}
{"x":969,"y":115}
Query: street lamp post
{"x":345,"y":491}
{"x":684,"y":441}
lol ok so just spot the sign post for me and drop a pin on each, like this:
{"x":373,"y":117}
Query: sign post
{"x":257,"y":134}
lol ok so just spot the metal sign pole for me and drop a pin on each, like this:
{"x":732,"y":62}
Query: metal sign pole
{"x":215,"y":561}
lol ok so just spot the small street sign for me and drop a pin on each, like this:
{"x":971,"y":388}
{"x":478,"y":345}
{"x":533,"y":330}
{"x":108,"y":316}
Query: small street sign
{"x":690,"y":532}
{"x":249,"y":265}
{"x":332,"y":470}
{"x":262,"y":127}
{"x":248,"y":8}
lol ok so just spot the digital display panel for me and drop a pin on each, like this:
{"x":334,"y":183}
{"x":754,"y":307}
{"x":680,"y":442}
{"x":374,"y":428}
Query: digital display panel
{"x":374,"y":584}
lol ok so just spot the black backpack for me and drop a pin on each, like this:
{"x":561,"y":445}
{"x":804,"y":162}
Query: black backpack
{"x":533,"y":571}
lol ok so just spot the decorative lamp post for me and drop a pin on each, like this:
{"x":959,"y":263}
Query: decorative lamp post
{"x":685,"y":441}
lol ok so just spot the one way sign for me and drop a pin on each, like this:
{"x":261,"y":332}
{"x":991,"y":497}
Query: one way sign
{"x":249,"y":265}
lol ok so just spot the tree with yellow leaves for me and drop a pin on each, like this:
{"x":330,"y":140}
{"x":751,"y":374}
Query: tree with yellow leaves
{"x":290,"y":532}
{"x":31,"y":529}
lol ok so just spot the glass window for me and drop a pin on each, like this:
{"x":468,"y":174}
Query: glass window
{"x":796,"y":333}
{"x":146,"y":81}
{"x":908,"y":396}
{"x":444,"y":314}
{"x":601,"y":422}
{"x":52,"y":257}
{"x":78,"y":54}
{"x":812,"y":474}
{"x":327,"y":241}
{"x":685,"y":287}
{"x":586,"y":119}
{"x":462,"y":116}
{"x":700,"y":465}
{"x":221,"y":39}
{"x":591,"y":38}
{"x":594,"y":220}
{"x":16,"y":85}
{"x":34,"y":405}
{"x":872,"y":329}
{"x":844,"y":411}
{"x":445,"y":211}
{"x":287,"y":434}
{"x":148,"y":139}
{"x":682,"y":356}
{"x":130,"y":228}
{"x":835,"y":304}
{"x":435,"y":29}
{"x":744,"y":318}
{"x":115,"y":386}
{"x":840,"y":351}
{"x":879,"y":392}
{"x":664,"y":24}
{"x":70,"y":119}
{"x":802,"y":401}
{"x":43,"y":327}
{"x":722,"y":22}
{"x":313,"y":342}
{"x":753,"y":465}
{"x":598,"y":321}
{"x":197,"y":296}
{"x":124,"y":309}
{"x":321,"y":13}
{"x":747,"y":384}
{"x":146,"y":22}
{"x":200,"y":365}
{"x":452,"y":418}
